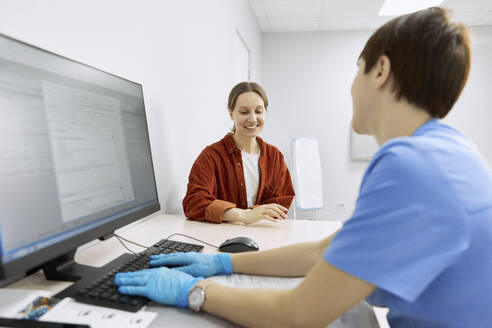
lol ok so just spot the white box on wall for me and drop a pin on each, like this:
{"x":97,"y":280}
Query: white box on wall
{"x":362,"y":147}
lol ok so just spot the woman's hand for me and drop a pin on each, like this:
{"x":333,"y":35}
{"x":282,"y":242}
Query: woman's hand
{"x":270,"y":212}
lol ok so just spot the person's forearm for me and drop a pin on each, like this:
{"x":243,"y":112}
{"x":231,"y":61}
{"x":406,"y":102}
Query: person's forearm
{"x":233,"y":214}
{"x":322,"y":296}
{"x":289,"y":261}
{"x":265,"y":307}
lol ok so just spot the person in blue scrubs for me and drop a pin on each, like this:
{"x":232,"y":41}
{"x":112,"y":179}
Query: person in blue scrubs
{"x":419,"y":239}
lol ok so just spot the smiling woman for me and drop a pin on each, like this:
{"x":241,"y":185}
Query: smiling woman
{"x":241,"y":177}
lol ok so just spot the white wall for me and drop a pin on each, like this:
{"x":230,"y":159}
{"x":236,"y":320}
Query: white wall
{"x":472,"y":113}
{"x":181,"y":51}
{"x":308,"y":78}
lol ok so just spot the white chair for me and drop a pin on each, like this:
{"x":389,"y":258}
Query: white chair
{"x":308,"y":182}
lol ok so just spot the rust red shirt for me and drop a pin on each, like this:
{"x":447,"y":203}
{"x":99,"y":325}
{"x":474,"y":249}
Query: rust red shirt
{"x":216,"y":182}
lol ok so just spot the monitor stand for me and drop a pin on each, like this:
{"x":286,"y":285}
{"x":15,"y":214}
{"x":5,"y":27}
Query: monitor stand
{"x":64,"y":268}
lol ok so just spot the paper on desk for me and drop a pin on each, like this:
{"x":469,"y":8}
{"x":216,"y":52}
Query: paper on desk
{"x":360,"y":315}
{"x":68,"y":310}
{"x":250,"y":281}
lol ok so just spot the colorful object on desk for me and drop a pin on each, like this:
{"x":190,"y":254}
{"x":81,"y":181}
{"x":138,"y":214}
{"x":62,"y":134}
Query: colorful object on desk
{"x":39,"y":306}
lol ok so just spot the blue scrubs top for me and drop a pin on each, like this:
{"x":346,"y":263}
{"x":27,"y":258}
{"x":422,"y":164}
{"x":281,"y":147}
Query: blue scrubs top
{"x":422,"y":231}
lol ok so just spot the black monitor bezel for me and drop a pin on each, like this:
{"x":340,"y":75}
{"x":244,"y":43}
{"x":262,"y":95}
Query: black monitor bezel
{"x":32,"y":262}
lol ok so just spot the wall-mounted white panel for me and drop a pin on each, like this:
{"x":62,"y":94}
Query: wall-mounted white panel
{"x":307,"y":173}
{"x":362,"y":147}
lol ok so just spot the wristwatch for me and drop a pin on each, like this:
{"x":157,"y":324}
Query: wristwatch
{"x":196,"y":298}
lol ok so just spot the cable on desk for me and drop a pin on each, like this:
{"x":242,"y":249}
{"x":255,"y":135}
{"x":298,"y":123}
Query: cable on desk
{"x":131,"y":242}
{"x":174,"y":234}
{"x":118,"y":237}
{"x":201,"y":241}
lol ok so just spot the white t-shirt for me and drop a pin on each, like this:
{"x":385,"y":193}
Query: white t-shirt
{"x":251,"y":176}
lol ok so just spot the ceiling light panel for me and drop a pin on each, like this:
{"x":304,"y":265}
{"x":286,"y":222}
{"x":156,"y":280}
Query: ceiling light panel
{"x":400,"y":7}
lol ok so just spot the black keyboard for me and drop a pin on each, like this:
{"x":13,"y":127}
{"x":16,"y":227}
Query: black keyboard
{"x":98,"y":288}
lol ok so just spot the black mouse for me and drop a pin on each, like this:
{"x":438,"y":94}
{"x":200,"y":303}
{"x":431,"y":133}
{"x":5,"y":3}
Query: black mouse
{"x":238,"y":244}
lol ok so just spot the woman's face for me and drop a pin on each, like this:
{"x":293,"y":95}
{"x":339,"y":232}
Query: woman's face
{"x":249,"y":114}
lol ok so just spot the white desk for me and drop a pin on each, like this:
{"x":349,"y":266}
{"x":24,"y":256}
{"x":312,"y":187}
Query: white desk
{"x":150,"y":230}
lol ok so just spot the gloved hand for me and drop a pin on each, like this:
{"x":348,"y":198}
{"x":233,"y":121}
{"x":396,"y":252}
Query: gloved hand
{"x":196,"y":264}
{"x":161,"y":285}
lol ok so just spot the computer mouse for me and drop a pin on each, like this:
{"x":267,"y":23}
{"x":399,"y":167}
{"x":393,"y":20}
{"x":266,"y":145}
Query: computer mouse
{"x":238,"y":244}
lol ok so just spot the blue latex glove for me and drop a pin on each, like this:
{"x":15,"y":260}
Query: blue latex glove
{"x":161,"y":285}
{"x":196,"y":264}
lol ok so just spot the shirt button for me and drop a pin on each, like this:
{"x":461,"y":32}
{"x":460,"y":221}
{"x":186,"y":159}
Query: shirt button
{"x":242,"y":184}
{"x":238,"y":164}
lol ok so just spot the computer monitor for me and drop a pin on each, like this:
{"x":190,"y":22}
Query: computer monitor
{"x":75,"y":159}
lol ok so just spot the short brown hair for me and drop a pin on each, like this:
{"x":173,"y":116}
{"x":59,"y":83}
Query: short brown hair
{"x":244,"y":87}
{"x":430,"y":58}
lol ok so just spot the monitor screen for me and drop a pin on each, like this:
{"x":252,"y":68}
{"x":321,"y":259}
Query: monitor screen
{"x":75,"y":160}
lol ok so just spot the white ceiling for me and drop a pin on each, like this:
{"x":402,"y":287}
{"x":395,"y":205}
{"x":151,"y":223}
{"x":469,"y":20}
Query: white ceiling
{"x":331,"y":15}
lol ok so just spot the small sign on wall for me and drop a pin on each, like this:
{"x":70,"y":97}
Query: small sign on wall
{"x":362,"y":147}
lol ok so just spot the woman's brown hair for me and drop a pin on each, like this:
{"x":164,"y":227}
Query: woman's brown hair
{"x":430,"y":58}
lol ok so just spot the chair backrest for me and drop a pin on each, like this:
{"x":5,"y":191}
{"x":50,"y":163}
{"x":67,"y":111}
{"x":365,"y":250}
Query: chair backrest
{"x":308,"y":183}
